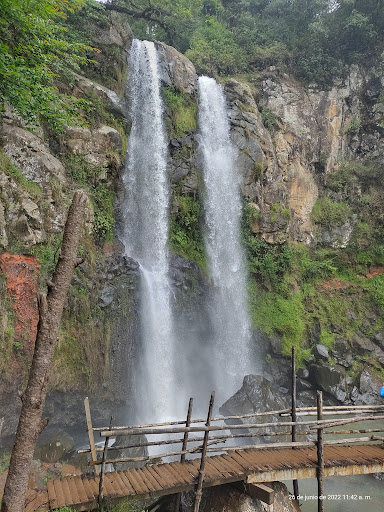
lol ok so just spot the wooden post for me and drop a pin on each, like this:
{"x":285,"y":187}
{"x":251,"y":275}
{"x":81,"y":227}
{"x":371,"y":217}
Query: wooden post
{"x":320,"y":455}
{"x":101,"y":481}
{"x":184,"y":447}
{"x":199,"y":488}
{"x":293,"y":415}
{"x":90,"y":433}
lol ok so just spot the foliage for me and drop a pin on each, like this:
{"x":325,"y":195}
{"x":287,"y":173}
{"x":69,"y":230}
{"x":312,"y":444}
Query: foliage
{"x":329,"y":213}
{"x":214,"y":51}
{"x":101,"y":194}
{"x":47,"y":254}
{"x":185,"y":235}
{"x":353,"y":126}
{"x":33,"y":54}
{"x":183,"y":112}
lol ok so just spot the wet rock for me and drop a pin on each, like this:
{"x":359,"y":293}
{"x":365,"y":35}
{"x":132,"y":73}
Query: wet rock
{"x":369,"y":388}
{"x":226,"y":497}
{"x":93,"y":145}
{"x":176,"y":69}
{"x":330,"y":378}
{"x":136,"y":452}
{"x":257,"y":394}
{"x":58,"y":448}
{"x":341,"y":353}
{"x":322,"y":352}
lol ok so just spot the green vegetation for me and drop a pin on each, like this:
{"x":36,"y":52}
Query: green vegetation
{"x":33,"y":54}
{"x":183,"y":112}
{"x":101,"y":194}
{"x":329,"y":213}
{"x":311,"y":295}
{"x":185,"y":235}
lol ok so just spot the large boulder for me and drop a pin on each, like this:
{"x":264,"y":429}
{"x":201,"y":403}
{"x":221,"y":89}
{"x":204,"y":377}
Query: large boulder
{"x":176,"y":69}
{"x":58,"y":448}
{"x":226,"y":497}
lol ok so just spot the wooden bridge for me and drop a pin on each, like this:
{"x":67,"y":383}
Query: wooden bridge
{"x":249,"y":466}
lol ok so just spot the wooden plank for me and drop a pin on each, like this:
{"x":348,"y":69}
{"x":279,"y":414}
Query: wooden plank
{"x":155,"y":475}
{"x":250,"y":461}
{"x":59,"y":493}
{"x":147,"y":480}
{"x":88,"y":489}
{"x":94,"y":484}
{"x":115,"y":480}
{"x":135,"y":484}
{"x":40,"y":501}
{"x":52,"y":495}
{"x":66,"y":492}
{"x":73,"y":490}
{"x":238,"y":468}
{"x":168,"y":479}
{"x":139,"y":479}
{"x":108,"y":488}
{"x":127,"y":484}
{"x":80,"y":489}
{"x":212,"y":472}
{"x":240,"y":460}
{"x":218,"y":465}
{"x":182,"y":468}
{"x":155,"y":484}
{"x":181,"y":477}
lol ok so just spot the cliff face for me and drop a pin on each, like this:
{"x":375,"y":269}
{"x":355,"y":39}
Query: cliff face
{"x":290,"y":141}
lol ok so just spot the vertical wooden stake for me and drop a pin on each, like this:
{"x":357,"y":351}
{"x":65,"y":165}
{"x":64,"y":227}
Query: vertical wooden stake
{"x":199,"y":488}
{"x":101,"y":481}
{"x":294,"y":417}
{"x":184,"y":447}
{"x":90,"y":433}
{"x":320,"y":454}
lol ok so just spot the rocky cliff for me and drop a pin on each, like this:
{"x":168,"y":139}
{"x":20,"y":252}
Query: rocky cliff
{"x":311,"y":166}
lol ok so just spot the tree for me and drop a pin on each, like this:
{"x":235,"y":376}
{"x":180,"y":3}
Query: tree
{"x":33,"y":53}
{"x":33,"y":399}
{"x":172,"y":21}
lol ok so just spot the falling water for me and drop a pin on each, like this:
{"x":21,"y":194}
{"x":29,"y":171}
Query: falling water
{"x":146,"y":233}
{"x":231,"y":353}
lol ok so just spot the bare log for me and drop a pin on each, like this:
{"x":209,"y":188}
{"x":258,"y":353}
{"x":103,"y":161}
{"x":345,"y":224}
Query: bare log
{"x":50,"y":311}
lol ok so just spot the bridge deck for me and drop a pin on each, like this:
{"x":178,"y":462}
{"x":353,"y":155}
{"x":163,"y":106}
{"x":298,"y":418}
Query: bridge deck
{"x":170,"y":478}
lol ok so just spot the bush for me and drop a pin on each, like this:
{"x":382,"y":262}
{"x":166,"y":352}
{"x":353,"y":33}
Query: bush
{"x":329,"y":213}
{"x":183,"y":112}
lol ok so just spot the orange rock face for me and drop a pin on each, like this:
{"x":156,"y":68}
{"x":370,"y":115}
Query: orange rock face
{"x":21,"y":272}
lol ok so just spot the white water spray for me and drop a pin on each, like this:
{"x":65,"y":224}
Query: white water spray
{"x":231,"y":352}
{"x":146,"y":234}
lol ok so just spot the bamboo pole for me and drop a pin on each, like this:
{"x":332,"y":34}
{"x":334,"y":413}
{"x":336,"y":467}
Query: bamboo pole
{"x":211,"y":428}
{"x":320,"y":455}
{"x":199,"y":487}
{"x":331,"y":413}
{"x":92,"y":447}
{"x":103,"y":461}
{"x":184,"y":447}
{"x":328,"y":424}
{"x":293,"y":415}
{"x":281,"y":412}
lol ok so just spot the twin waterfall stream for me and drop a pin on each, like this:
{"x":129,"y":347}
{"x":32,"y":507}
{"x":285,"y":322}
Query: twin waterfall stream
{"x":163,"y":381}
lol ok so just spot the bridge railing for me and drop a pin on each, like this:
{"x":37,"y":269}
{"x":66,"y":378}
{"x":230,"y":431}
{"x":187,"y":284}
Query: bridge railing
{"x":177,"y":433}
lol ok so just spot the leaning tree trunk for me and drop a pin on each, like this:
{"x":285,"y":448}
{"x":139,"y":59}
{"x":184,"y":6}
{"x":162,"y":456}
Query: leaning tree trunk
{"x":33,"y":399}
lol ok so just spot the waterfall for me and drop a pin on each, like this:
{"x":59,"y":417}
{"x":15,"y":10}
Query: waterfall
{"x":230,"y":347}
{"x":145,"y":236}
